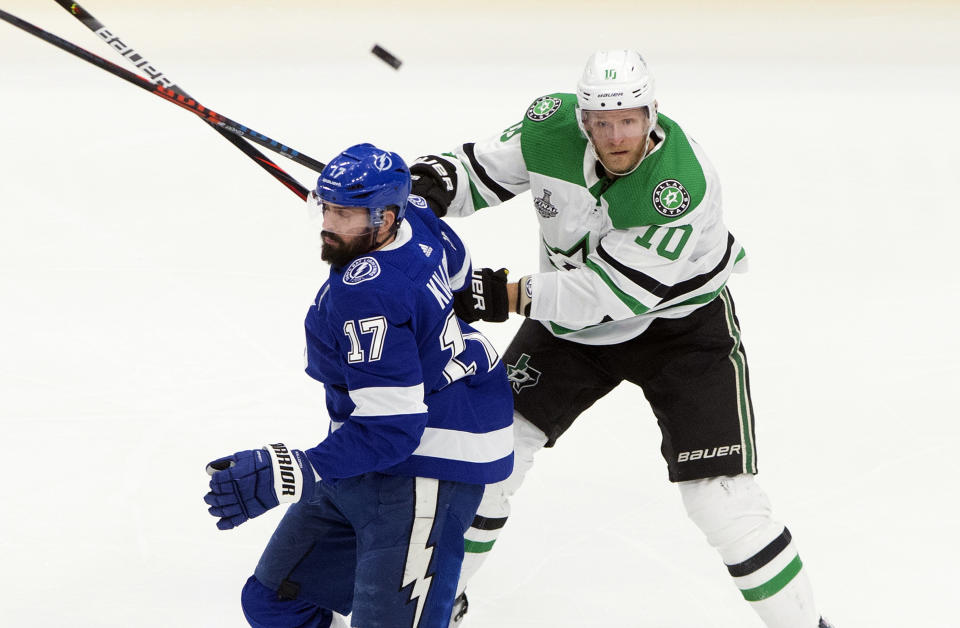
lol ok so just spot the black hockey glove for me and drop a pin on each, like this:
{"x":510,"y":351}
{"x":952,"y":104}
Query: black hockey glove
{"x":485,"y":298}
{"x":435,"y":179}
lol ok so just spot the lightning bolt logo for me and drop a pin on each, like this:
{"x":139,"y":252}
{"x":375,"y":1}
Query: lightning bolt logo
{"x":419,"y":551}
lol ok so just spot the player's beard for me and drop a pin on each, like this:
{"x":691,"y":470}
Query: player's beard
{"x":339,"y":253}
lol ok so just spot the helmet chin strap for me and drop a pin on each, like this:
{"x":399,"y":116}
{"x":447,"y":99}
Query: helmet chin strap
{"x":373,"y":239}
{"x":375,"y":229}
{"x":374,"y":244}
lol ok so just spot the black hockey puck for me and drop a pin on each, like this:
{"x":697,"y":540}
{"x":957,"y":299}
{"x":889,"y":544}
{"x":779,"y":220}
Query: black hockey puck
{"x":386,"y":57}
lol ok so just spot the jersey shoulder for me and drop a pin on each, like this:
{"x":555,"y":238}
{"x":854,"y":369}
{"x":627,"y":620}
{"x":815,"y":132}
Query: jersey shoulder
{"x":550,"y":138}
{"x":366,"y":286}
{"x":387,"y":279}
{"x":669,"y":185}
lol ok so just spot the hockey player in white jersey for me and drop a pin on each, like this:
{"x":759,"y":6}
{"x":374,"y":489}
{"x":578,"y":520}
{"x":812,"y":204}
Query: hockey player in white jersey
{"x":634,"y":263}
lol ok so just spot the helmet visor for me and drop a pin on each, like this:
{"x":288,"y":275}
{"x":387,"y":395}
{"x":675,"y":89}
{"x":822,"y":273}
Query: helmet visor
{"x":338,"y":219}
{"x":616,"y":125}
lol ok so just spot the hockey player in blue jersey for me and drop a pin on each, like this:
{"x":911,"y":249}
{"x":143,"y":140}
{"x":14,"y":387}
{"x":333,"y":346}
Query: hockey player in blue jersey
{"x":420,"y":419}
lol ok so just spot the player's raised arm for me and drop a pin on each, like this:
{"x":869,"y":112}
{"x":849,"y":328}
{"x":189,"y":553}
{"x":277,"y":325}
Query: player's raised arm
{"x":473,"y":176}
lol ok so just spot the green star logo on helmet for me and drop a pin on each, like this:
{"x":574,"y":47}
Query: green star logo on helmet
{"x":543,"y":107}
{"x":670,"y":198}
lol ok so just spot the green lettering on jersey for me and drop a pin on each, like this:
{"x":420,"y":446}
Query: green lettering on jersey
{"x":670,"y":246}
{"x":510,"y":131}
{"x":644,"y":240}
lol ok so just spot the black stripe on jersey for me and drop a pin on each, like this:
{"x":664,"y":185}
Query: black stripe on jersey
{"x":488,"y":523}
{"x":663,"y":291}
{"x":502,"y":193}
{"x":762,"y":557}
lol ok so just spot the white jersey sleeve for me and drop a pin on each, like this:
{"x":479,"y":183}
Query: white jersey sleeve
{"x":488,"y":173}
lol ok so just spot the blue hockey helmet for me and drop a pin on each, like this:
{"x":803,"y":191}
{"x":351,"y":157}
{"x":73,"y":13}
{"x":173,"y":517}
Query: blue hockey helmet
{"x":366,"y":176}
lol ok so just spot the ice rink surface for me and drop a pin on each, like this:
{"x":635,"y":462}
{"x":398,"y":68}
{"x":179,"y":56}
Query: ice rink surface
{"x":153,"y":284}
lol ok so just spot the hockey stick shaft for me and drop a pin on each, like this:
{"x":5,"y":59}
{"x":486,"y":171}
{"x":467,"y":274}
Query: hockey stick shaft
{"x":178,"y":99}
{"x":158,"y":77}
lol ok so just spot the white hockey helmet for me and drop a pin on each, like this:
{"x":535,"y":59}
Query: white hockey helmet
{"x":615,"y":79}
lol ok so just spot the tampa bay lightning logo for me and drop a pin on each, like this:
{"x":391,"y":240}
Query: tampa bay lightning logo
{"x":417,"y":201}
{"x":360,"y":270}
{"x":382,"y":162}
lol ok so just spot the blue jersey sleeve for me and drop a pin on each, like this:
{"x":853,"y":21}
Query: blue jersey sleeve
{"x":384,"y":385}
{"x":458,"y":257}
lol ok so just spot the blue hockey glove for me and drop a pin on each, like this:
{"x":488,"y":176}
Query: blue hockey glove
{"x":249,"y":483}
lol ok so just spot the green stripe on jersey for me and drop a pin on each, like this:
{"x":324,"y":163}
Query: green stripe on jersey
{"x":775,"y":584}
{"x":560,"y":330}
{"x":699,"y":299}
{"x":477,"y":547}
{"x":478,"y":201}
{"x":635,"y":306}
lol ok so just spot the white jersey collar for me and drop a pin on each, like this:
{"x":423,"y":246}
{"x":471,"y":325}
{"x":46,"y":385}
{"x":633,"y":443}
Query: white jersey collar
{"x":404,"y":234}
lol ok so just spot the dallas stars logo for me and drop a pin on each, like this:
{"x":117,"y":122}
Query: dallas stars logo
{"x":670,"y":198}
{"x":543,"y":107}
{"x":521,"y":374}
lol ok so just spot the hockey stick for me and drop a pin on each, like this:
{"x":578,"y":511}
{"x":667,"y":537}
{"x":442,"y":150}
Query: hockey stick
{"x":156,"y":76}
{"x":191,"y":105}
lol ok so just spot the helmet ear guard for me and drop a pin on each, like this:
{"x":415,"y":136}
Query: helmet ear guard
{"x":376,"y":215}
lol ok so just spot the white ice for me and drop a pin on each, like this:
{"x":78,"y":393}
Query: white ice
{"x":153,"y":284}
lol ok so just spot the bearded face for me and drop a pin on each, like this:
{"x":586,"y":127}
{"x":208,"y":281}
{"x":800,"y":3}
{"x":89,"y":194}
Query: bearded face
{"x":340,"y":250}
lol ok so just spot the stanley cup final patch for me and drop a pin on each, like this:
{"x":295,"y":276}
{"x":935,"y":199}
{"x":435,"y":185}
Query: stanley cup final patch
{"x":543,"y":107}
{"x":670,"y":198}
{"x":544,"y":207}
